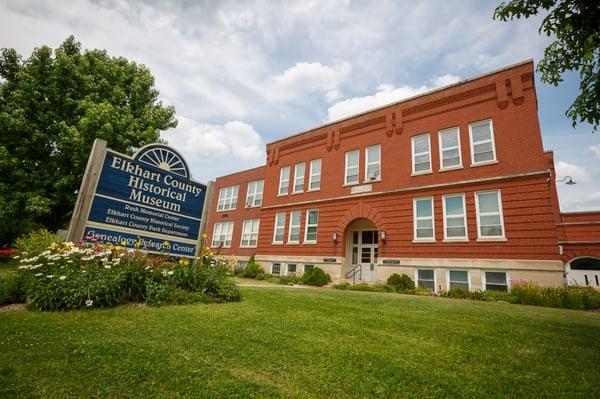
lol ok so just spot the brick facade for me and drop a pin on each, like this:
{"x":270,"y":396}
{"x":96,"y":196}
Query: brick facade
{"x":520,"y":171}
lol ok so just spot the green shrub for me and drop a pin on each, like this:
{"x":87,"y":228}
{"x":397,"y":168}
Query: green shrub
{"x":584,"y":298}
{"x":290,"y":280}
{"x":252,"y":269}
{"x":316,"y":276}
{"x":72,"y":278}
{"x":341,"y":286}
{"x":12,"y":288}
{"x":460,"y":293}
{"x":36,"y":242}
{"x":402,"y":283}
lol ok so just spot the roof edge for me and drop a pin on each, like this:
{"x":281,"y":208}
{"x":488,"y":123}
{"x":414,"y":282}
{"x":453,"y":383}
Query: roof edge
{"x":461,"y":82}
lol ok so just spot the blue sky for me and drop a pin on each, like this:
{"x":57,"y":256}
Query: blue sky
{"x":243,"y":73}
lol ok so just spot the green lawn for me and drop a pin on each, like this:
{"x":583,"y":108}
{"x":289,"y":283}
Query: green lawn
{"x":286,"y":342}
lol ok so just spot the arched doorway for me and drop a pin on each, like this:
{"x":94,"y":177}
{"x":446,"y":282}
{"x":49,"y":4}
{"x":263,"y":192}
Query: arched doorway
{"x":583,"y":271}
{"x":362,"y":251}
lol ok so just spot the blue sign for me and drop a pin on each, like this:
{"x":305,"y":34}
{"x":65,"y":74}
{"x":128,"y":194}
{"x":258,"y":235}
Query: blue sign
{"x":148,"y":196}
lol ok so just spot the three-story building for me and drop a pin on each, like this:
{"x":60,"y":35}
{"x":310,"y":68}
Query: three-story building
{"x":452,"y":187}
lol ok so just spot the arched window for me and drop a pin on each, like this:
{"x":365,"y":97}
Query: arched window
{"x":585,"y":264}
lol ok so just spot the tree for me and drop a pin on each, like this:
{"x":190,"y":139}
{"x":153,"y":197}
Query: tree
{"x":576,"y":25}
{"x":52,"y":107}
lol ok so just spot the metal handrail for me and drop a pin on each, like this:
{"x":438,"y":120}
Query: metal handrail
{"x":352,"y":273}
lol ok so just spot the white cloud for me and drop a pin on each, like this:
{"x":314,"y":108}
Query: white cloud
{"x":226,"y":148}
{"x":307,"y":77}
{"x":596,"y":150}
{"x":385,"y":94}
{"x":588,"y":202}
{"x":578,"y":173}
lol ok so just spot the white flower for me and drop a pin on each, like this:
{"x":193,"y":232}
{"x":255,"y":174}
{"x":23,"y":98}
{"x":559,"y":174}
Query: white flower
{"x":170,"y":273}
{"x":23,"y":267}
{"x":16,"y":257}
{"x":165,"y":273}
{"x":116,"y":261}
{"x":38,"y":274}
{"x":62,"y":277}
{"x":84,"y":271}
{"x":50,"y":276}
{"x":104,"y":260}
{"x":89,"y":303}
{"x":107,"y":267}
{"x":69,"y":261}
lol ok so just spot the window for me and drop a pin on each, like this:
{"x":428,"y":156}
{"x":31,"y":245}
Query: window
{"x":250,"y":233}
{"x":373,"y":163}
{"x":294,"y":230}
{"x":228,"y":198}
{"x":291,"y":269}
{"x":496,"y":281}
{"x":314,"y":179}
{"x":426,"y":279}
{"x":450,"y":149}
{"x":222,"y":234}
{"x":284,"y":180}
{"x":299,"y":177}
{"x":489,"y":215}
{"x":278,"y":232}
{"x":423,"y":219}
{"x":455,"y":219}
{"x":241,"y":265}
{"x":458,"y":279}
{"x":351,"y":176}
{"x":276,"y":269}
{"x":421,"y":160}
{"x":308,"y":267}
{"x":483,"y":149}
{"x":254,"y":194}
{"x":312,"y":218}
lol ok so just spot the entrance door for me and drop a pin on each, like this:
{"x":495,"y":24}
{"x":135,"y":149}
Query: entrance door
{"x":365,"y":253}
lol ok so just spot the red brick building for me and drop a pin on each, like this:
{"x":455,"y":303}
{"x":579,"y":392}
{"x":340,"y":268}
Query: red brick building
{"x":451,"y":187}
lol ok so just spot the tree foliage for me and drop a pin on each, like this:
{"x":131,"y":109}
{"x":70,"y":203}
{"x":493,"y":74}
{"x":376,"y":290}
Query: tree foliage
{"x":576,"y":26}
{"x":52,"y":107}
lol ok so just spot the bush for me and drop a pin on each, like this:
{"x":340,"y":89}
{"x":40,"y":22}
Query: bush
{"x":69,"y":277}
{"x":316,"y":276}
{"x":36,"y":242}
{"x":12,"y":288}
{"x":402,"y":283}
{"x":460,"y":293}
{"x":252,"y":269}
{"x":290,"y":280}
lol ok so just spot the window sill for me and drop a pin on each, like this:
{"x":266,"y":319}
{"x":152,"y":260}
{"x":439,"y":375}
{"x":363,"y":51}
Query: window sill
{"x":282,"y":195}
{"x":484,"y":163}
{"x":293,"y":242}
{"x":451,"y":168}
{"x":226,"y":210}
{"x":456,"y":240}
{"x":425,"y":172}
{"x":253,"y":206}
{"x":372,"y":181}
{"x":311,"y":190}
{"x":309,"y":242}
{"x":423,"y":241}
{"x":350,"y":184}
{"x":297,"y":192}
{"x":246,"y":246}
{"x":491,"y":239}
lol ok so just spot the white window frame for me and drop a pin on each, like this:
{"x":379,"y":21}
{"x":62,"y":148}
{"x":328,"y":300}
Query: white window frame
{"x":415,"y":154}
{"x":484,"y":282}
{"x":315,"y":177}
{"x":434,"y":277}
{"x":299,"y":180}
{"x":228,"y":234}
{"x":279,"y":272}
{"x":416,"y":218}
{"x":291,"y":226}
{"x":276,"y":226}
{"x":251,"y":196}
{"x":458,"y":147}
{"x":346,"y":183}
{"x":228,"y":197}
{"x":500,"y":213}
{"x":369,"y":162}
{"x":464,"y":215}
{"x":307,"y":225}
{"x":458,"y":270}
{"x":247,"y":242}
{"x":492,"y":139}
{"x":281,"y":180}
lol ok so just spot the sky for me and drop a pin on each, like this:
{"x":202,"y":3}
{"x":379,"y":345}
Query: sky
{"x":244,"y":73}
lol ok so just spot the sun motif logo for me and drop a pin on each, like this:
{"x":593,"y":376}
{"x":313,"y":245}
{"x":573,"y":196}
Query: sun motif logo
{"x":163,"y":157}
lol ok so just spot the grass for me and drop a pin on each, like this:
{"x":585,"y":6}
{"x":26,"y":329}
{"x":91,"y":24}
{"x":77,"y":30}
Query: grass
{"x":8,"y":266}
{"x":286,"y":342}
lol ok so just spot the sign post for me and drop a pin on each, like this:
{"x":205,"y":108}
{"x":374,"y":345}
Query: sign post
{"x":147,"y":201}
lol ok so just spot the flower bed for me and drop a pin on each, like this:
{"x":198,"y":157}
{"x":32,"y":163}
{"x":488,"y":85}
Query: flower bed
{"x":67,"y":276}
